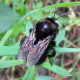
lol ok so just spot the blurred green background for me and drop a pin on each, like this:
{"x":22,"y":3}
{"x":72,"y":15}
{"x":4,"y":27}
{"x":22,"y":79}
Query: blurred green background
{"x":18,"y":16}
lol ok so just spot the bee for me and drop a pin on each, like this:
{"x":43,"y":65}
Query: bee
{"x":35,"y":47}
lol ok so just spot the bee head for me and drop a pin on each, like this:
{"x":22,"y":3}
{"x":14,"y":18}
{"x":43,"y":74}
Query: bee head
{"x":46,"y":27}
{"x":53,"y":20}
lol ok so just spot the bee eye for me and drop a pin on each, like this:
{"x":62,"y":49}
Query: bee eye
{"x":57,"y":23}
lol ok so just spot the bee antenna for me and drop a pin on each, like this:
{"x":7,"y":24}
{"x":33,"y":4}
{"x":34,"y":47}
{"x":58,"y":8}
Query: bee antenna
{"x":57,"y":2}
{"x":63,"y":15}
{"x":55,"y":9}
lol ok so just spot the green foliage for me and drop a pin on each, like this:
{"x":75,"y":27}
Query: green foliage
{"x":5,"y":38}
{"x":56,"y":69}
{"x":49,"y":7}
{"x":13,"y":50}
{"x":43,"y":78}
{"x":10,"y":63}
{"x":9,"y":19}
{"x":29,"y":73}
{"x":6,"y":18}
{"x":60,"y":37}
{"x":28,"y":27}
{"x":8,"y":50}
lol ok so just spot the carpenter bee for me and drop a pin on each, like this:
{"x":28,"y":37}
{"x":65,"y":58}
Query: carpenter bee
{"x":34,"y":48}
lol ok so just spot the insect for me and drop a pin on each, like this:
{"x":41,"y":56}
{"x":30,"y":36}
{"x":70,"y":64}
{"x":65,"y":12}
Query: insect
{"x":34,"y":48}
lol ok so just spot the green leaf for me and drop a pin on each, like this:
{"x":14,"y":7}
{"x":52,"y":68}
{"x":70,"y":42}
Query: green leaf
{"x":60,"y":37}
{"x":56,"y":69}
{"x":5,"y":58}
{"x":28,"y":27}
{"x":10,"y":63}
{"x":43,"y":78}
{"x":51,"y":61}
{"x":49,"y":7}
{"x":5,"y":38}
{"x":29,"y":73}
{"x":6,"y":17}
{"x":66,"y":50}
{"x":13,"y":50}
{"x":9,"y":50}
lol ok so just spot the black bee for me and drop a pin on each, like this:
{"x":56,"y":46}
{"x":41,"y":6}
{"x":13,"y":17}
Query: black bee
{"x":34,"y":48}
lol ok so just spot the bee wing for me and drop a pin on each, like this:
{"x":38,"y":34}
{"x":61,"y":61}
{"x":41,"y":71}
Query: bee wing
{"x":22,"y":55}
{"x":32,"y":52}
{"x":23,"y":51}
{"x":37,"y":51}
{"x":24,"y":46}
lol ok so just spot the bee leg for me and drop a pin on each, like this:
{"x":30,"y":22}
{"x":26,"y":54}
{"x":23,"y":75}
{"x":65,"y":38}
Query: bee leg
{"x":53,"y":43}
{"x":53,"y":52}
{"x":22,"y":40}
